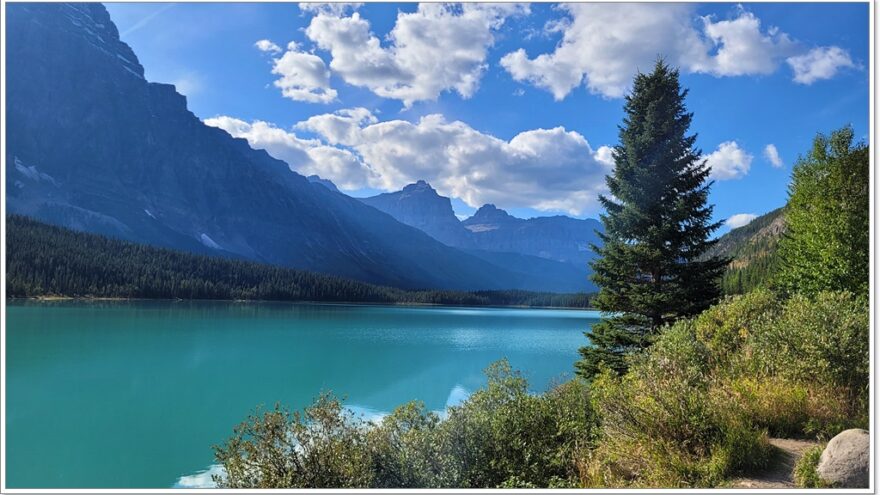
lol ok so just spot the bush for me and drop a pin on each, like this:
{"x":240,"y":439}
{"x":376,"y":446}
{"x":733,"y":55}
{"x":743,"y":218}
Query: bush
{"x":697,"y":406}
{"x":821,"y":341}
{"x":805,"y":474}
{"x":501,"y":436}
{"x":726,"y":327}
{"x":660,"y":427}
{"x":325,"y":446}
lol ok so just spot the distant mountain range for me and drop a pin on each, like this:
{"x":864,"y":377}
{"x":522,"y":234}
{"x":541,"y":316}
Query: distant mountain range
{"x":556,"y":243}
{"x":93,"y":146}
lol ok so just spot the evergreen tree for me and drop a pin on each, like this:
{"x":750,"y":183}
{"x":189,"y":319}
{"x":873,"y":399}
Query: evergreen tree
{"x":652,"y":267}
{"x":826,"y":246}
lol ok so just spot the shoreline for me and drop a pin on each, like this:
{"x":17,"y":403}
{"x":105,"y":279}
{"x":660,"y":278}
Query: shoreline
{"x":341,"y":303}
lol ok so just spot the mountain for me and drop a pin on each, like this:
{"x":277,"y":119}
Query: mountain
{"x":558,"y":238}
{"x":95,"y":147}
{"x":488,"y":217}
{"x":551,"y":249}
{"x":752,"y":251}
{"x":420,"y":206}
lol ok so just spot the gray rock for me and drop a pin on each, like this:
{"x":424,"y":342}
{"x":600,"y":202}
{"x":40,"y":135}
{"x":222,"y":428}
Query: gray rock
{"x":845,"y":462}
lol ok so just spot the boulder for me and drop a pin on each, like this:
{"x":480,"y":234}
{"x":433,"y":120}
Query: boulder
{"x":845,"y":462}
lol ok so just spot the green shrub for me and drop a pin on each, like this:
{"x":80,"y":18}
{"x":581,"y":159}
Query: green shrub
{"x":661,"y":427}
{"x":777,"y":405}
{"x":821,"y":340}
{"x":725,"y":328}
{"x":504,"y":436}
{"x":324,"y":446}
{"x":501,"y":436}
{"x":805,"y":475}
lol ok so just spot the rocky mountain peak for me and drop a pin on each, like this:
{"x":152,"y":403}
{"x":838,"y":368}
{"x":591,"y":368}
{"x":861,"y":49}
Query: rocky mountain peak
{"x":490,"y":214}
{"x":420,"y":187}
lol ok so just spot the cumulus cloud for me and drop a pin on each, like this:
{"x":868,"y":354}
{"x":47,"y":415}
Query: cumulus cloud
{"x":267,"y":46}
{"x":547,"y":169}
{"x":772,"y":155}
{"x":739,"y":220}
{"x":742,"y":47}
{"x":305,"y":156}
{"x":342,"y":127}
{"x":729,"y":161}
{"x":819,"y":63}
{"x":604,"y":44}
{"x":304,"y":76}
{"x":438,"y":48}
{"x":335,"y":9}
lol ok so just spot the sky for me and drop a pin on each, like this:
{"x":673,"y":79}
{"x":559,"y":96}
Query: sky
{"x":512,"y":104}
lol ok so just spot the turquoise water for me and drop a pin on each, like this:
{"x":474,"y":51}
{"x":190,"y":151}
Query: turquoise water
{"x":134,"y":394}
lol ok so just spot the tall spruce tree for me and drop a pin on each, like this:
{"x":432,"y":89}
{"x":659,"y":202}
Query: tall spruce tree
{"x":651,"y":268}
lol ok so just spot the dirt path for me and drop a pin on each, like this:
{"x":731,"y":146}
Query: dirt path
{"x":780,"y":474}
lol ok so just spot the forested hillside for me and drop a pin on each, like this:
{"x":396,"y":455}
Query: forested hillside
{"x":752,"y":250}
{"x":44,"y":260}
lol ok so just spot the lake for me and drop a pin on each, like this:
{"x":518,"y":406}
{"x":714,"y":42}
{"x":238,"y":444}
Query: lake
{"x":134,"y":394}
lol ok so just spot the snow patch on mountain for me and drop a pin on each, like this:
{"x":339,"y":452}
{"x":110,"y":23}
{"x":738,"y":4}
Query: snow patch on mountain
{"x":207,"y":241}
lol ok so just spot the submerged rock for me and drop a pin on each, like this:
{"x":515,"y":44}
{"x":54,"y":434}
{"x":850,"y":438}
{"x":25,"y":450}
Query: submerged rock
{"x":845,"y":462}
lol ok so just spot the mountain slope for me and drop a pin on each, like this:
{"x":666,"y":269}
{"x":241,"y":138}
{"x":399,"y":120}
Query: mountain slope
{"x":93,"y":146}
{"x":752,"y":250}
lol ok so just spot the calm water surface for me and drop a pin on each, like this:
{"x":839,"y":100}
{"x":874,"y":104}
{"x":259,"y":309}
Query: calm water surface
{"x":134,"y":394}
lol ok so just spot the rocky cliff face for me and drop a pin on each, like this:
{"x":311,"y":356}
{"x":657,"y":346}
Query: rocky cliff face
{"x":94,"y":146}
{"x":420,"y":206}
{"x":557,"y":238}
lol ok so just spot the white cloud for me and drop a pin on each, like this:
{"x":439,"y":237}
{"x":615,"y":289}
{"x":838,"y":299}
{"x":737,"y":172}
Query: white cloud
{"x":267,"y":46}
{"x":772,"y":155}
{"x":819,"y":63}
{"x":742,"y":48}
{"x":604,"y":44}
{"x":729,"y":161}
{"x":304,"y":76}
{"x":305,"y":156}
{"x":336,"y":9}
{"x":342,"y":127}
{"x":739,"y":220}
{"x":438,"y":48}
{"x":547,"y":169}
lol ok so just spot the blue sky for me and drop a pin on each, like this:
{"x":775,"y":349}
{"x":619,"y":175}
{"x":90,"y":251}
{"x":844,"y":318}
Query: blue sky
{"x":509,"y":104}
